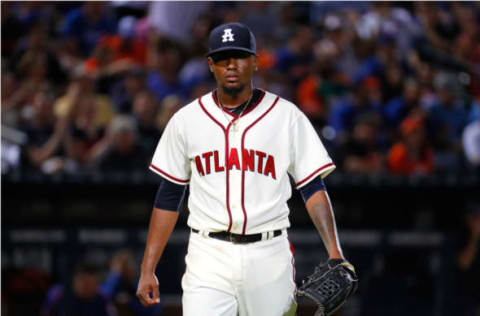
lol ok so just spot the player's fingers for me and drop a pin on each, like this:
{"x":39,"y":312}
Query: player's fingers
{"x":141,"y":298}
{"x":144,"y":297}
{"x":156,"y":291}
{"x":156,"y":295}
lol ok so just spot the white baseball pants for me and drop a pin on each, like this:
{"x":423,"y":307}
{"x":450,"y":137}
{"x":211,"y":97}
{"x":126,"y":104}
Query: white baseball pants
{"x":227,"y":279}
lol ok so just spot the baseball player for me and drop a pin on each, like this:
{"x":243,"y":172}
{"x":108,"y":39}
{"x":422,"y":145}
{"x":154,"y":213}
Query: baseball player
{"x":235,"y":148}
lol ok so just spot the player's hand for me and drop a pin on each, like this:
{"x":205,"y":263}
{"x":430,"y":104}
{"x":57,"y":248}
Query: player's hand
{"x":147,"y":291}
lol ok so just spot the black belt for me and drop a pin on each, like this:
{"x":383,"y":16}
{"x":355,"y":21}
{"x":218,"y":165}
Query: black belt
{"x":237,"y":238}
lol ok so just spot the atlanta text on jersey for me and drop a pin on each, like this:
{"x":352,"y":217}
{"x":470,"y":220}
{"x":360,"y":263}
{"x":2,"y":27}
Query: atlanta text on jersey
{"x":252,"y":160}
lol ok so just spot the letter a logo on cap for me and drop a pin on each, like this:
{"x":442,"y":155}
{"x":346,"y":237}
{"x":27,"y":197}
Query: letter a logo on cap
{"x":227,"y":35}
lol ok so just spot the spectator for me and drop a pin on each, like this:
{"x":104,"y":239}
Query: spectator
{"x":413,"y":154}
{"x":447,"y":119}
{"x":44,"y":134}
{"x":116,"y":53}
{"x":366,"y":98}
{"x":146,"y":112}
{"x":200,"y":32}
{"x":77,"y":160}
{"x":32,"y":72}
{"x":84,"y":27}
{"x":368,"y":60}
{"x":337,"y":44}
{"x":120,"y":286}
{"x":293,"y":60}
{"x":123,"y":151}
{"x":262,"y":18}
{"x":9,"y":87}
{"x":174,"y":20}
{"x":319,"y":89}
{"x":362,"y":152}
{"x":398,"y":108}
{"x":82,"y":297}
{"x":195,"y":70}
{"x":393,"y":82}
{"x":438,"y":25}
{"x":163,"y":80}
{"x":124,"y":91}
{"x":448,"y":116}
{"x":88,"y":112}
{"x":37,"y":46}
{"x":169,"y":106}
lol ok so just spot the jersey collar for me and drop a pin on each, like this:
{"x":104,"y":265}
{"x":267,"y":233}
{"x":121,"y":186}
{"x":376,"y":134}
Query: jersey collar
{"x":257,"y":97}
{"x":217,"y":114}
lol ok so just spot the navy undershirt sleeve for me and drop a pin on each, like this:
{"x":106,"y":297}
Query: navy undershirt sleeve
{"x":313,"y":186}
{"x":170,"y":195}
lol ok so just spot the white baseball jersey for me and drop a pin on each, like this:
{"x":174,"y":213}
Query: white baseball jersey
{"x":237,"y":167}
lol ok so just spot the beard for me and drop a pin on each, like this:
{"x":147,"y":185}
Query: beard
{"x":233,"y":91}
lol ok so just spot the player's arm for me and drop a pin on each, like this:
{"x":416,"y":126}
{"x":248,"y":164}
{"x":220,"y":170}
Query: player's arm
{"x":468,"y":254}
{"x":320,"y":210}
{"x":161,"y":226}
{"x":162,"y":222}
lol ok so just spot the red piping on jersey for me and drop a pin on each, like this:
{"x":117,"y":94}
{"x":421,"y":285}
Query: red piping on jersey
{"x":243,"y":171}
{"x":256,"y":103}
{"x":214,"y":96}
{"x":167,"y":175}
{"x":314,"y":173}
{"x":225,"y":133}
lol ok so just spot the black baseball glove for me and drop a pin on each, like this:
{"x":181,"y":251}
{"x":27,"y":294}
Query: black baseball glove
{"x":330,"y":285}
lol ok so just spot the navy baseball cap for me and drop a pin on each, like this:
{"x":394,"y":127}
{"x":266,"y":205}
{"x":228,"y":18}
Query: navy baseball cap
{"x":231,"y":36}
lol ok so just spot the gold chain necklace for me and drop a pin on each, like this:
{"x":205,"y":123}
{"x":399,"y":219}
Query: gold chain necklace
{"x":234,"y":121}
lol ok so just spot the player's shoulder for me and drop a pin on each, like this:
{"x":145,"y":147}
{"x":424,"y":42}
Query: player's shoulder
{"x":288,"y":107}
{"x":187,"y":112}
{"x":188,"y":109}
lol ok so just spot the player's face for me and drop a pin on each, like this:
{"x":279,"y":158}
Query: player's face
{"x":233,"y":69}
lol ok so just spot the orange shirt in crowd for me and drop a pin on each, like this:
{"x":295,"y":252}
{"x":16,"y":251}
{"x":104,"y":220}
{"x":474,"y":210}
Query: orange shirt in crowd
{"x":136,"y":51}
{"x":309,"y":99}
{"x":400,"y":162}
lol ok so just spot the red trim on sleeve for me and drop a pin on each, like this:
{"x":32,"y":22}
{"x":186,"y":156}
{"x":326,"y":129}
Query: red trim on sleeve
{"x":314,"y":173}
{"x":227,"y":174}
{"x":243,"y":170}
{"x":168,"y":175}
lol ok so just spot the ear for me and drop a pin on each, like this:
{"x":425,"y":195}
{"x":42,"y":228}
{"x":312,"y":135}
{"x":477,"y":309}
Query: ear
{"x":255,"y":62}
{"x":210,"y":64}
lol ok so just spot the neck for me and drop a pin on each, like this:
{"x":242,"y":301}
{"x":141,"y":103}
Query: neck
{"x":232,"y":100}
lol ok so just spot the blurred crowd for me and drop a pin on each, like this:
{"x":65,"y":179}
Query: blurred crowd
{"x":90,"y":288}
{"x":390,"y":87}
